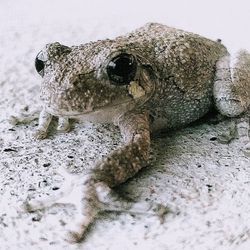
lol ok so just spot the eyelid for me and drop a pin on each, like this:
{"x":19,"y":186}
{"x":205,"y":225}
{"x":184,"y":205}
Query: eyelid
{"x":43,"y":56}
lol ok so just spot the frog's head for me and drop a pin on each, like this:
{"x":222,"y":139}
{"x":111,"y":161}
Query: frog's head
{"x":92,"y":78}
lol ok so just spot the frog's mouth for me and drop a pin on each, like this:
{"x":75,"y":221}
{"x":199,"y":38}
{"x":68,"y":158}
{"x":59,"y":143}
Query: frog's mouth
{"x":108,"y":111}
{"x":133,"y":96}
{"x":109,"y":101}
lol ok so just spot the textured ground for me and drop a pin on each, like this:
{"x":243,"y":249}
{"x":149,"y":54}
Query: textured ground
{"x":205,"y":184}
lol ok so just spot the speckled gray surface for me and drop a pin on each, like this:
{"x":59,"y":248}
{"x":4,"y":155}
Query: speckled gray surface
{"x":204,"y":183}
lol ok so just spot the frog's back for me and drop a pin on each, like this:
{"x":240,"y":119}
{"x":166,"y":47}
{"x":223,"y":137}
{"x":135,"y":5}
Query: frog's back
{"x":184,"y":65}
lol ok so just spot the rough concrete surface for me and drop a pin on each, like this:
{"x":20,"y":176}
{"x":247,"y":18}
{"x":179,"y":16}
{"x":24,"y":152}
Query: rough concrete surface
{"x":205,"y":184}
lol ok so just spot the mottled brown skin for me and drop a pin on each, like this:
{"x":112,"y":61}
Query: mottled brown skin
{"x":126,"y":161}
{"x":179,"y":77}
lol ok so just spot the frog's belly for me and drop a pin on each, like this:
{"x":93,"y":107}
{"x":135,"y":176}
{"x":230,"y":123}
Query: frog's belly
{"x":178,"y":112}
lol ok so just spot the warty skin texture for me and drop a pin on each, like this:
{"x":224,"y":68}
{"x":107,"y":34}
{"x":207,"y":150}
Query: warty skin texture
{"x":179,"y":77}
{"x":176,"y":70}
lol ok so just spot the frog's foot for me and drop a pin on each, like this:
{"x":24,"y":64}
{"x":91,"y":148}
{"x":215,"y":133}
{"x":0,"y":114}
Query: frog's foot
{"x":63,"y":124}
{"x":247,"y":149}
{"x":113,"y":202}
{"x":63,"y":195}
{"x":90,"y":198}
{"x":23,"y":117}
{"x":44,"y":122}
{"x":230,"y":134}
{"x":238,"y":128}
{"x":104,"y":199}
{"x":78,"y":191}
{"x":39,"y":134}
{"x":243,"y":134}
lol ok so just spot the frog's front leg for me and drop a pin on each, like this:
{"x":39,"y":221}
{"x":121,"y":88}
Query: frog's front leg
{"x":63,"y":124}
{"x":116,"y":168}
{"x":126,"y":161}
{"x":92,"y":193}
{"x":44,"y":122}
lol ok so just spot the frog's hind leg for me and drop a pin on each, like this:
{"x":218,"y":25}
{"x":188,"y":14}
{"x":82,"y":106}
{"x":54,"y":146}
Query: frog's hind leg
{"x":232,"y":90}
{"x":232,"y":85}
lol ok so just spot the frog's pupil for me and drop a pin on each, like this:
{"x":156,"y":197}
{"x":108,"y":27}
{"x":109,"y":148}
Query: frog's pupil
{"x":39,"y":65}
{"x":122,"y":69}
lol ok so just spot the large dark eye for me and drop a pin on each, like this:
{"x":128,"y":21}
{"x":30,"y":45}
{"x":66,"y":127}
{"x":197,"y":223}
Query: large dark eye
{"x":122,"y":69}
{"x":39,"y":64}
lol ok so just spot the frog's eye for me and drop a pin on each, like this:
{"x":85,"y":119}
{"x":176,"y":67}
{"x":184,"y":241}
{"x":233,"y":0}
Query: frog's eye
{"x":40,"y":63}
{"x":122,"y":69}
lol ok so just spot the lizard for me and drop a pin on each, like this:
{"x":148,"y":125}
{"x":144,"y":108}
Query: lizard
{"x":156,"y":77}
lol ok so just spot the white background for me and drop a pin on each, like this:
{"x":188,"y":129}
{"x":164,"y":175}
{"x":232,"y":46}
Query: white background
{"x":185,"y":163}
{"x":228,"y":20}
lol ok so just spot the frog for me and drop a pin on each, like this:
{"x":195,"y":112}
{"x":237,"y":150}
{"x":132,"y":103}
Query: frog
{"x":155,"y":78}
